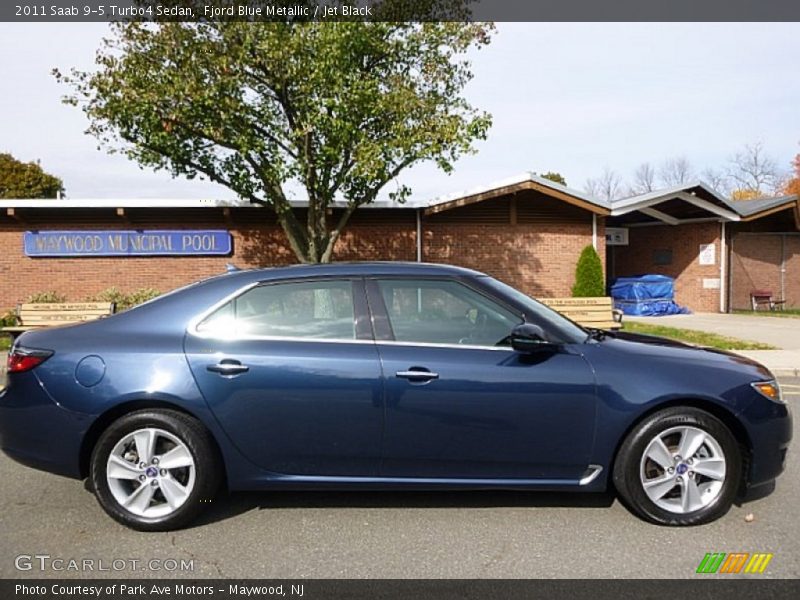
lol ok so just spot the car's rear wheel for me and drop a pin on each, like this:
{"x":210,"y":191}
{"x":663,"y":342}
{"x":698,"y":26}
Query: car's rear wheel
{"x":155,"y":470}
{"x":679,"y":466}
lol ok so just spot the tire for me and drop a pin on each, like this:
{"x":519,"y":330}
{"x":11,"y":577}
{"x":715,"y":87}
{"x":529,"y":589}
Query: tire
{"x":180,"y":477}
{"x":642,"y":473}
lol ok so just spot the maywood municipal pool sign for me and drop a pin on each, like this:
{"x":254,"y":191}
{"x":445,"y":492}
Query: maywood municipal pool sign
{"x":127,"y":243}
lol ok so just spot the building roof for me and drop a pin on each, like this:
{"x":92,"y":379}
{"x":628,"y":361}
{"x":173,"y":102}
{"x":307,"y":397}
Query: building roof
{"x":672,"y":205}
{"x":519,"y":182}
{"x":677,"y":203}
{"x":754,"y":208}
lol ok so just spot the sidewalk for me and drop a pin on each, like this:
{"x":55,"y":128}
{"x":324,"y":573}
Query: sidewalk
{"x":783,"y":333}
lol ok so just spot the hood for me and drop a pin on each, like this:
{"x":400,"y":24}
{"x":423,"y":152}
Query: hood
{"x":673,"y":350}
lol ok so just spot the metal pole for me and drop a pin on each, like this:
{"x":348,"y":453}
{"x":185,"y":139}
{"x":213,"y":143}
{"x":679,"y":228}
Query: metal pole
{"x":419,"y":236}
{"x":783,"y":268}
{"x":722,"y":257}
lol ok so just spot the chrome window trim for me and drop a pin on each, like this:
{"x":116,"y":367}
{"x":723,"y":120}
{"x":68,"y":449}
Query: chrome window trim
{"x":194,"y":322}
{"x":454,"y":346}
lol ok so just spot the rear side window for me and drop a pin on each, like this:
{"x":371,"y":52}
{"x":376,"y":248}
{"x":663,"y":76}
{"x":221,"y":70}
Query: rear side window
{"x":307,"y":310}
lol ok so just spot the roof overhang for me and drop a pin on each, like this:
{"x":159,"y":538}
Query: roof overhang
{"x":528,"y":182}
{"x":791,"y":203}
{"x":646,"y":204}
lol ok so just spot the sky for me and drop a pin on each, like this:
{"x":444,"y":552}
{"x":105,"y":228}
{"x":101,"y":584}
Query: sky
{"x":569,"y":97}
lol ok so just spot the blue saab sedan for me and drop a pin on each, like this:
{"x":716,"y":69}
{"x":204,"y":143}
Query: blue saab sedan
{"x":383,"y":376}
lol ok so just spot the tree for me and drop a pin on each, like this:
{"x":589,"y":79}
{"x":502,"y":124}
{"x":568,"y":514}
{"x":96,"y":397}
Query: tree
{"x":752,"y":170}
{"x":338,"y":109}
{"x":554,"y":176}
{"x":716,"y":179}
{"x":676,"y":171}
{"x":745,"y":194}
{"x":644,"y":179}
{"x":26,"y":180}
{"x":589,"y":281}
{"x":606,"y":187}
{"x":793,"y":185}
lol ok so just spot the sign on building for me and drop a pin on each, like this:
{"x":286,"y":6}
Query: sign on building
{"x":616,"y":236}
{"x":127,"y":243}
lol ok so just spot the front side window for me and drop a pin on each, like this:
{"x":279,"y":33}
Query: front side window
{"x":307,"y":310}
{"x":444,"y":312}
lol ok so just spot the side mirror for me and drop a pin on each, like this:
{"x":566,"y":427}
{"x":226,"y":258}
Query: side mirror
{"x":528,"y":337}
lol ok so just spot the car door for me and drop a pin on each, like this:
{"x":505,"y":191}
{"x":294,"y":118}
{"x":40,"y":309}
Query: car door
{"x":458,"y":405}
{"x":290,"y":370}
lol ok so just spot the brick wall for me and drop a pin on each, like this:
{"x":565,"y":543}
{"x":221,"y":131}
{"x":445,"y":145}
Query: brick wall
{"x":538,"y":257}
{"x":81,"y":278}
{"x":637,"y":258}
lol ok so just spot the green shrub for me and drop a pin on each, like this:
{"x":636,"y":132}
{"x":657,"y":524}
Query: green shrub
{"x":49,"y":297}
{"x":589,"y":280}
{"x":123,"y":300}
{"x":9,"y":319}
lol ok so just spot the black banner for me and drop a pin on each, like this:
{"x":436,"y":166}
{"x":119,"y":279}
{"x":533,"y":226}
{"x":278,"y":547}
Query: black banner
{"x":399,"y":10}
{"x":402,"y":589}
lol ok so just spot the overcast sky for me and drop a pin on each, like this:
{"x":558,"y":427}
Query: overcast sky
{"x":573,"y":98}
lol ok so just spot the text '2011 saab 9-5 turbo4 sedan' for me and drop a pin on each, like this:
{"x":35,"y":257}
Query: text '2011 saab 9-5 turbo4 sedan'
{"x":383,"y":376}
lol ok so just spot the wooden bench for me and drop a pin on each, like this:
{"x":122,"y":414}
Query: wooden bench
{"x":589,"y":312}
{"x":36,"y":316}
{"x":765,"y":298}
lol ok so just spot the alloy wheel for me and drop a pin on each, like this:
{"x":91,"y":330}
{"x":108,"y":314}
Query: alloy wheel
{"x":151,"y":472}
{"x":683,"y":469}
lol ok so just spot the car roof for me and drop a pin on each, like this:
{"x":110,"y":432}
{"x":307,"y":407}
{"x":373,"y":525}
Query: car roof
{"x":353,"y":269}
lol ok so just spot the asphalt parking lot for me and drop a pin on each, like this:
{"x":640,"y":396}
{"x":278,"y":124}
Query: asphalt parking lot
{"x":391,"y":535}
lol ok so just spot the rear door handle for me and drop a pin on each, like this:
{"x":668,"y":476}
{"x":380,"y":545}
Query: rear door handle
{"x":418,"y":375}
{"x":228,"y":367}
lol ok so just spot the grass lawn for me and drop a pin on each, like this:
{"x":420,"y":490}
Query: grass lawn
{"x":700,"y":338}
{"x":5,"y":342}
{"x":789,"y":313}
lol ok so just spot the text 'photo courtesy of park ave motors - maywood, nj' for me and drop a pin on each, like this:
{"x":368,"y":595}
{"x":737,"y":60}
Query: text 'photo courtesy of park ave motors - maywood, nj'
{"x":435,"y":299}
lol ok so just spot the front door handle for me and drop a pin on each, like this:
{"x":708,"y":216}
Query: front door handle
{"x":228,"y":367}
{"x":418,"y":375}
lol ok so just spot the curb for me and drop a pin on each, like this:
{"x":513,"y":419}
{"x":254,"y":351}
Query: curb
{"x":785,"y":372}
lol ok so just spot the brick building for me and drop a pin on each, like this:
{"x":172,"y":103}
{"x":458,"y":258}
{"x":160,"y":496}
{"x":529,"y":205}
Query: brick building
{"x":527,"y":231}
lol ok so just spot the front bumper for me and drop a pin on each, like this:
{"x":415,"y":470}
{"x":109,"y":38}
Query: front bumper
{"x":769,"y":425}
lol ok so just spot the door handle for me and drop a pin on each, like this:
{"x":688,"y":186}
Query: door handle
{"x":419,"y":375}
{"x":228,"y":367}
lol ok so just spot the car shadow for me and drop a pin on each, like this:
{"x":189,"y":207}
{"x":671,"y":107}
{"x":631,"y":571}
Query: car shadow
{"x":229,"y":505}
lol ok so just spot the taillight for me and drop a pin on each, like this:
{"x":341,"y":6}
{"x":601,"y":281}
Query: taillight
{"x":25,"y":359}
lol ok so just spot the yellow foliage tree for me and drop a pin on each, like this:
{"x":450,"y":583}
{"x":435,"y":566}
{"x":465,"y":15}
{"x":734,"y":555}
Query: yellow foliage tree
{"x":745,"y":194}
{"x":793,"y":187}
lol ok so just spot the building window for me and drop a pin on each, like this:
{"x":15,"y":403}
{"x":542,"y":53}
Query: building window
{"x":662,"y":257}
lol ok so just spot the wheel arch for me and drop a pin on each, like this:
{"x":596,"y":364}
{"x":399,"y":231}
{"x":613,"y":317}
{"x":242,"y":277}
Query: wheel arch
{"x":720,"y":412}
{"x":102,"y":422}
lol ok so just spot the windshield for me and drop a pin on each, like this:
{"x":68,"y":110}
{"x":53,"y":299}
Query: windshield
{"x":554,"y":323}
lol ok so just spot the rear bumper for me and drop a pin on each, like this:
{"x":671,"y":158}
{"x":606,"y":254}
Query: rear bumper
{"x":36,"y":431}
{"x":769,"y":425}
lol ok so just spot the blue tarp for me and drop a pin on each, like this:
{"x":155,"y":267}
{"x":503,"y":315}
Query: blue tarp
{"x":646,"y":295}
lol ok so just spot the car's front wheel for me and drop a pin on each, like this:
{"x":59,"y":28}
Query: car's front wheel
{"x":155,"y":470}
{"x":679,"y":466}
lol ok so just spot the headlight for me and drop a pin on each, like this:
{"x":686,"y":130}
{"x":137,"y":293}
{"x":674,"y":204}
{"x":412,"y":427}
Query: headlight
{"x":769,"y":389}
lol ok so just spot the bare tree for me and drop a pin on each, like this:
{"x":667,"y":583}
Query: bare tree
{"x":754,"y":172}
{"x":717,"y":179}
{"x":644,"y":179}
{"x":676,"y":171}
{"x":606,"y":187}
